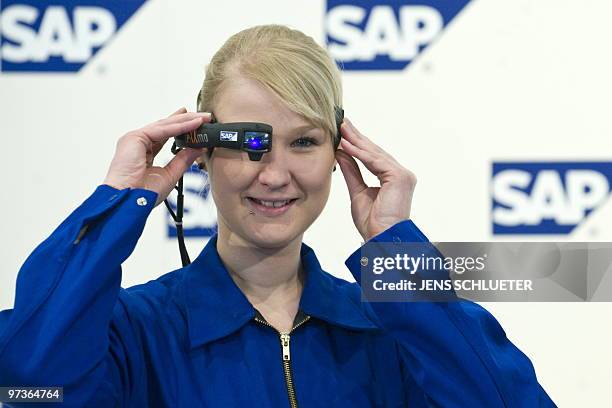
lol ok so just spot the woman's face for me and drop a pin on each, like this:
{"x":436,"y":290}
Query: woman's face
{"x":297,"y":169}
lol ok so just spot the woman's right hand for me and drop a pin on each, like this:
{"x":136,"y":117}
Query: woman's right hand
{"x":132,"y":165}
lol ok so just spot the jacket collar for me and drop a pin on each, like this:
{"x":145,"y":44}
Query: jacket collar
{"x":216,"y":307}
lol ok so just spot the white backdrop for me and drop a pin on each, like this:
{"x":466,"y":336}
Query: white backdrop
{"x":518,"y":80}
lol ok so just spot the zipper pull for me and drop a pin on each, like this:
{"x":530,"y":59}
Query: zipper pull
{"x":284,"y":337}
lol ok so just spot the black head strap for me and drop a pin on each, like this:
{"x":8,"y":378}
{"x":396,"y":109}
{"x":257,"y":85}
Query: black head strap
{"x":339,"y":119}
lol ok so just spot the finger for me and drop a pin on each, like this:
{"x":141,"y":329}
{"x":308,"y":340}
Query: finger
{"x":182,"y":110}
{"x":178,"y":117}
{"x":184,"y":116}
{"x":379,"y":165}
{"x":162,"y":132}
{"x":351,"y":172}
{"x":357,"y":138}
{"x":181,"y":163}
{"x":365,"y":143}
{"x":157,"y":146}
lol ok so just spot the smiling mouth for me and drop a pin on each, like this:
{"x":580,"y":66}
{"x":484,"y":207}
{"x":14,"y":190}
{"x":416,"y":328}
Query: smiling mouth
{"x":270,"y":207}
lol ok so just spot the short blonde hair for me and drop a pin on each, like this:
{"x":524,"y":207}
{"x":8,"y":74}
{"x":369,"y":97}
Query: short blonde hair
{"x":288,"y":62}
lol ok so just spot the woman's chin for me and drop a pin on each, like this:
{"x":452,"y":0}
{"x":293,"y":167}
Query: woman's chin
{"x":272,"y":236}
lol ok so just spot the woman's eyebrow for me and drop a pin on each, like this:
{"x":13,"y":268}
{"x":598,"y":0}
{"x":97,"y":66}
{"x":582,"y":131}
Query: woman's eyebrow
{"x":304,"y":128}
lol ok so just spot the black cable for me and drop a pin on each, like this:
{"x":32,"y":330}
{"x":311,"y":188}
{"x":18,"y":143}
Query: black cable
{"x":178,"y":221}
{"x":179,"y":224}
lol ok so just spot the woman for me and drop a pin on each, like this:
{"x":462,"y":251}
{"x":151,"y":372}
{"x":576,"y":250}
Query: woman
{"x":254,"y":320}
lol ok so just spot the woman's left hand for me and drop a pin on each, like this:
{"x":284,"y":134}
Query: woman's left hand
{"x":374,"y":209}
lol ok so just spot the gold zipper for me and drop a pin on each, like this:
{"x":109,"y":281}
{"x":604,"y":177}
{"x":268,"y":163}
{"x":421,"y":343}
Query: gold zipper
{"x":285,"y":337}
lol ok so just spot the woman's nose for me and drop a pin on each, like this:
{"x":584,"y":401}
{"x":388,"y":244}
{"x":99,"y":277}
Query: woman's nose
{"x":274,"y":171}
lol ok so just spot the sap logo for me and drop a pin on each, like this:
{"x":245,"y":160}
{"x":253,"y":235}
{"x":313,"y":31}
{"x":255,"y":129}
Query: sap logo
{"x":384,"y":35}
{"x":93,"y":26}
{"x":547,"y":198}
{"x":58,"y":38}
{"x":200,"y":212}
{"x":227,"y":136}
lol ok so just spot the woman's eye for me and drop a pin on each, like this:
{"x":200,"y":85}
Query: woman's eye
{"x":305,"y":142}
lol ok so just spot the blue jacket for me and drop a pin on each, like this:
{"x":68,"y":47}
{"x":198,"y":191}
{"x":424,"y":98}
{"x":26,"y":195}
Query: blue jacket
{"x":191,"y":339}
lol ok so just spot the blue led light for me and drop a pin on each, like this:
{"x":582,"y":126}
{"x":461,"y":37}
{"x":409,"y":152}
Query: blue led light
{"x":257,"y":141}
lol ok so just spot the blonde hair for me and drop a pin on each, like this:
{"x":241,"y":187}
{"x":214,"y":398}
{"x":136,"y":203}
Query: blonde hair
{"x":288,"y":62}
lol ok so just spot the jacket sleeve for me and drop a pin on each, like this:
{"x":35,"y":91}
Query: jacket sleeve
{"x":61,"y":330}
{"x":455,"y":352}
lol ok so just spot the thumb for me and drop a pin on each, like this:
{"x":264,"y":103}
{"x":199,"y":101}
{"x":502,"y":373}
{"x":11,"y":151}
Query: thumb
{"x":350,"y":171}
{"x":181,"y":163}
